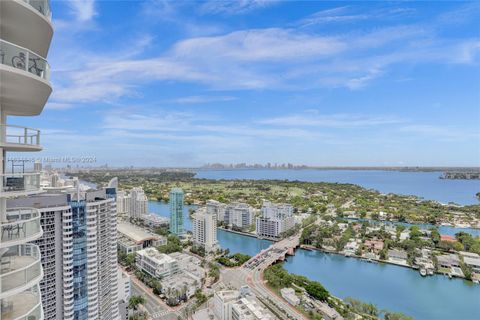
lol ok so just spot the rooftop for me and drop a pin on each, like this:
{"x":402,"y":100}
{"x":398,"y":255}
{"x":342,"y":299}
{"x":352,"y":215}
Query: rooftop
{"x":135,"y":233}
{"x":153,"y":254}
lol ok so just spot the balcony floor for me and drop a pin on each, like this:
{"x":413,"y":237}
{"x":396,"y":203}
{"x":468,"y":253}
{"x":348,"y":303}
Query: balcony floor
{"x":18,"y":305}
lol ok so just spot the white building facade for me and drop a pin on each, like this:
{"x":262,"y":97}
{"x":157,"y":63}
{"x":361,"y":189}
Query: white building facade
{"x":204,"y":226}
{"x":216,"y":208}
{"x":26,"y":33}
{"x":274,"y":220}
{"x":138,"y":203}
{"x":239,"y":215}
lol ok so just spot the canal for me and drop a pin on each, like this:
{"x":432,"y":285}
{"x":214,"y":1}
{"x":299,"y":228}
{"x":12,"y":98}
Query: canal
{"x":387,"y":286}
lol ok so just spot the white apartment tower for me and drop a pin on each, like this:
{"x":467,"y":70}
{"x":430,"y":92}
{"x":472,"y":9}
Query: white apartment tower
{"x":205,"y":230}
{"x":138,"y":203}
{"x":26,"y":33}
{"x":274,"y":220}
{"x":216,"y":208}
{"x":239,"y":215}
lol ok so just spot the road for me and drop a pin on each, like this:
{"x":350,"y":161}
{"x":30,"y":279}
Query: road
{"x":156,"y":307}
{"x":251,"y":274}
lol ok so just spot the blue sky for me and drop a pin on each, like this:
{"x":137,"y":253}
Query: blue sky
{"x":158,"y":83}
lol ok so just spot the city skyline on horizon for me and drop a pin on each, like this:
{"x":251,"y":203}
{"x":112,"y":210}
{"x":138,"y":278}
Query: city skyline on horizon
{"x":321,"y":84}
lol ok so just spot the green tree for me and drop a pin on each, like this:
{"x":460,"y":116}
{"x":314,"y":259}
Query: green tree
{"x":135,"y":301}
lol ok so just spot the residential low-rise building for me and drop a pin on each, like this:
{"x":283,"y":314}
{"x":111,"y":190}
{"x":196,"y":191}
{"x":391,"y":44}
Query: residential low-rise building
{"x":374,"y":245}
{"x":289,"y":295}
{"x":238,"y":305}
{"x":473,"y":263}
{"x":156,"y":264}
{"x":132,"y":238}
{"x":397,"y":256}
{"x":154,"y":221}
{"x":448,"y":261}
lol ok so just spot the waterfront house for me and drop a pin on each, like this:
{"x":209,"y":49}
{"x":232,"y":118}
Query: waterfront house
{"x":473,"y":263}
{"x":447,"y":238}
{"x":351,"y":247}
{"x":374,"y":244}
{"x":448,"y":261}
{"x":468,"y":254}
{"x":397,"y":256}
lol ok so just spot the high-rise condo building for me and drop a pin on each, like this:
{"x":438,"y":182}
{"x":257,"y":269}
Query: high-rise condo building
{"x":238,"y":215}
{"x":79,"y":253}
{"x":26,"y":33}
{"x":138,"y":203}
{"x":216,"y":208}
{"x":275,"y":219}
{"x":205,"y":230}
{"x":176,"y":211}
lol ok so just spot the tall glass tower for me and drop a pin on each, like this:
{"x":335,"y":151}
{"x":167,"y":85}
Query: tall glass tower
{"x":176,"y":211}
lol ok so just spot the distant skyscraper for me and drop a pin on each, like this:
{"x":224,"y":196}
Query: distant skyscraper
{"x":176,"y":211}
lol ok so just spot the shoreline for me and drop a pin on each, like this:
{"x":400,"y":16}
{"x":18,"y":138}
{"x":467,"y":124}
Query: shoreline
{"x":311,"y":248}
{"x":247,"y":234}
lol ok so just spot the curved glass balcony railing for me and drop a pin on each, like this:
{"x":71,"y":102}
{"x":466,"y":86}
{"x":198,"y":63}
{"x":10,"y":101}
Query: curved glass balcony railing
{"x":19,"y":182}
{"x":23,"y":59}
{"x":18,"y":135}
{"x":26,"y":305}
{"x":20,"y":266}
{"x":22,"y":225}
{"x":42,"y":6}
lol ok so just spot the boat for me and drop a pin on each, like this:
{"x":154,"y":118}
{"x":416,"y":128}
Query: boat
{"x":423,"y":272}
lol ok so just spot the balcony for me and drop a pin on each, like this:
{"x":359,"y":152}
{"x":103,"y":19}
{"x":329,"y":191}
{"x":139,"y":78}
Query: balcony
{"x":26,"y":305}
{"x":42,"y":6}
{"x":27,"y":23}
{"x":22,"y":225}
{"x":25,"y":80}
{"x":20,"y":268}
{"x":18,"y":138}
{"x":17,"y":184}
{"x":17,"y":57}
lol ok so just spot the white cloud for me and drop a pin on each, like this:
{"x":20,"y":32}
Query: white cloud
{"x":58,"y":106}
{"x":84,"y":10}
{"x":234,"y":7}
{"x":446,"y":133}
{"x":259,"y":59}
{"x":313,"y":118}
{"x":202,"y":99}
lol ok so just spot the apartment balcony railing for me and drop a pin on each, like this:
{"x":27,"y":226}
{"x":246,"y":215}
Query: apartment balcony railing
{"x":23,"y":59}
{"x":42,"y":6}
{"x":19,"y":135}
{"x":26,"y":305}
{"x":20,"y":182}
{"x":20,"y":267}
{"x":22,"y":225}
